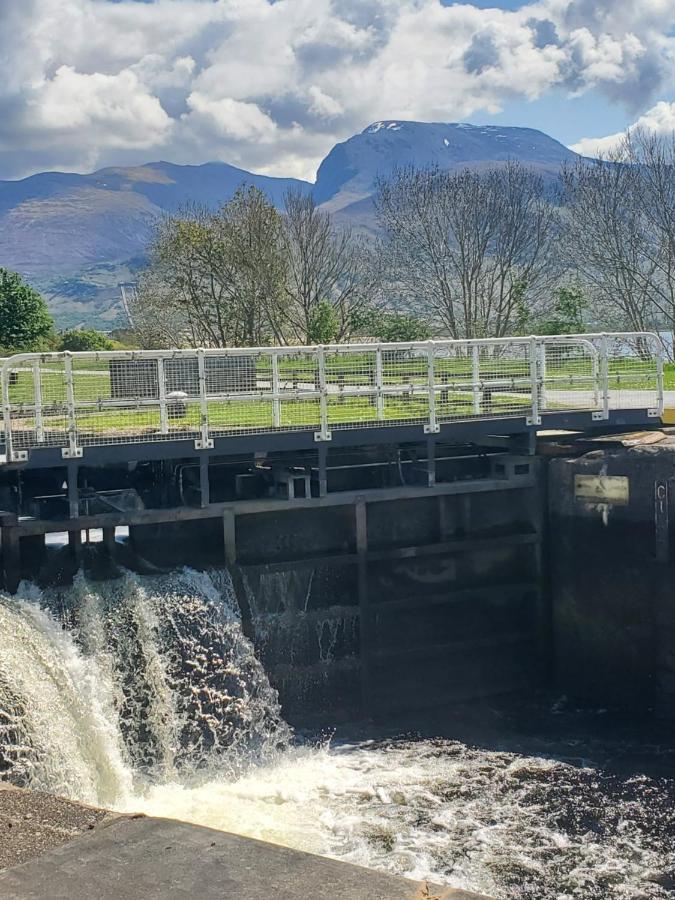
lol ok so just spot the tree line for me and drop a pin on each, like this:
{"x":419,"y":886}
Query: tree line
{"x":26,"y":325}
{"x":485,"y":252}
{"x":475,"y":253}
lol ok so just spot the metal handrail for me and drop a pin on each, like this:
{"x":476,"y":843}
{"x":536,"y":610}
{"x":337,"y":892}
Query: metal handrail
{"x":58,"y":395}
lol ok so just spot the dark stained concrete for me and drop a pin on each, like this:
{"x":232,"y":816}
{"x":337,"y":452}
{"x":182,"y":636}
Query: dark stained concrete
{"x":611,"y":571}
{"x":159,"y":859}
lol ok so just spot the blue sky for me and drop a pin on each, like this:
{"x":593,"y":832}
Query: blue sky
{"x":272,"y":86}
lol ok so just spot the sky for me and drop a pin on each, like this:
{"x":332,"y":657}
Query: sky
{"x":272,"y":85}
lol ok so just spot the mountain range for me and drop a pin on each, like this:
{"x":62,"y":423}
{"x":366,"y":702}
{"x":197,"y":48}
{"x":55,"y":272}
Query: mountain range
{"x":75,"y":237}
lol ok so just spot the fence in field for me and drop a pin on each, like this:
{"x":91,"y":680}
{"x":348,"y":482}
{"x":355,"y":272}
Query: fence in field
{"x":75,"y":400}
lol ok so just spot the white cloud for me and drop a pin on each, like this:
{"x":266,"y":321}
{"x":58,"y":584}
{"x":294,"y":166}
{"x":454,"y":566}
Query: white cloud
{"x":230,"y":118}
{"x":116,"y":107}
{"x":322,"y":104}
{"x":271,"y":86}
{"x":660,"y":120}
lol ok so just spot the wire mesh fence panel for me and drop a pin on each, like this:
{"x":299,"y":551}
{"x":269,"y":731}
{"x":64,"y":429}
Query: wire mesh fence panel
{"x":351,"y":384}
{"x":570,"y":374}
{"x":299,"y":390}
{"x":23,"y":388}
{"x":78,"y":400}
{"x":483,"y":379}
{"x":632,"y":379}
{"x":405,"y":384}
{"x":116,"y":399}
{"x":456,"y":381}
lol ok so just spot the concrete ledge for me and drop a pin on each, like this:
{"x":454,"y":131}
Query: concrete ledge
{"x":138,"y":858}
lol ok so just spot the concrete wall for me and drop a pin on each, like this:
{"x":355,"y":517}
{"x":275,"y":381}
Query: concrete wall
{"x":612,"y":578}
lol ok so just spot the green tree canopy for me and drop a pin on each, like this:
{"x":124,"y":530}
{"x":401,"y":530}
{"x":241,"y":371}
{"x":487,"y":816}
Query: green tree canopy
{"x":24,"y":318}
{"x":83,"y":340}
{"x":324,"y":324}
{"x":567,"y":313}
{"x":390,"y":326}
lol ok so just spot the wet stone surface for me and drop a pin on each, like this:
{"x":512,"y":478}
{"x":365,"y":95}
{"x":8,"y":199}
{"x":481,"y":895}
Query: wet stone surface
{"x":32,"y":823}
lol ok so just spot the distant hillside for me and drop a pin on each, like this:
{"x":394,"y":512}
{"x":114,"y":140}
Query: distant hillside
{"x":77,"y":236}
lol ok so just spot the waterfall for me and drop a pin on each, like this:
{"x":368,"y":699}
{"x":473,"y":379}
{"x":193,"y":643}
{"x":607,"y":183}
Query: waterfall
{"x":142,"y":693}
{"x":109,"y":687}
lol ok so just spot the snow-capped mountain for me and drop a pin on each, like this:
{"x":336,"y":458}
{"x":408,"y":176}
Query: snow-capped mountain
{"x":76,"y":236}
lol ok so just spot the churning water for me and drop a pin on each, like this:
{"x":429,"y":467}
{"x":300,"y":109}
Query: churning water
{"x":151,"y":699}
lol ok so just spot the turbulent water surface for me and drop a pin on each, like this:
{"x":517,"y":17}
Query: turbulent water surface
{"x":151,"y":699}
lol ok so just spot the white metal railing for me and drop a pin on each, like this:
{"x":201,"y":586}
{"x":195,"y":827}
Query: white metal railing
{"x":75,"y":400}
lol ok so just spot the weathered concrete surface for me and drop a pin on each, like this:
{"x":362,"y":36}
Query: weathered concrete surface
{"x":32,"y":823}
{"x":158,"y":859}
{"x":612,"y":569}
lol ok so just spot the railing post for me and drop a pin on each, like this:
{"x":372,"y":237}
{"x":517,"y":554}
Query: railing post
{"x":432,"y":427}
{"x":604,"y":374}
{"x":72,"y":451}
{"x":475,"y":378}
{"x":324,"y":434}
{"x":37,"y":396}
{"x":379,"y":398}
{"x":276,"y":401}
{"x":161,"y":386}
{"x":659,"y":382}
{"x":542,"y":376}
{"x":205,"y":442}
{"x":7,"y":412}
{"x":535,"y":418}
{"x":595,"y":374}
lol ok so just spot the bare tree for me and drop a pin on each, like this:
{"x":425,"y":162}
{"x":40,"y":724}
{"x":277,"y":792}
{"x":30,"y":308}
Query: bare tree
{"x":325,"y":265}
{"x":607,"y":240}
{"x":470,"y":248}
{"x":651,"y":159}
{"x":215,"y":279}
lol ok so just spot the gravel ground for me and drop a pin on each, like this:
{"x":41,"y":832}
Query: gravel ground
{"x":32,"y":823}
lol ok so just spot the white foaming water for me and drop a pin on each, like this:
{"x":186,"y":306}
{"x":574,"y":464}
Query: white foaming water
{"x":474,"y":819}
{"x":58,"y":710}
{"x":152,"y":700}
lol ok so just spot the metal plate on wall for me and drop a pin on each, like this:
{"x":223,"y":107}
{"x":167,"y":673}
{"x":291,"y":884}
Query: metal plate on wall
{"x":602,"y":489}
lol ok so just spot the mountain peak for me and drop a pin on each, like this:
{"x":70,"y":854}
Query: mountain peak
{"x":76,"y":236}
{"x":350,"y":171}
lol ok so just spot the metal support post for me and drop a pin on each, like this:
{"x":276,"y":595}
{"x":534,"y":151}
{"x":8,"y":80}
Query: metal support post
{"x":604,"y":375}
{"x":431,"y":461}
{"x":230,"y":537}
{"x":73,"y":490}
{"x":161,"y":383}
{"x":475,"y":378}
{"x":433,"y":426}
{"x":204,"y":486}
{"x":323,"y":474}
{"x":11,"y":558}
{"x":276,"y":401}
{"x":534,"y":418}
{"x":72,"y":451}
{"x":37,"y":397}
{"x":204,"y":442}
{"x":379,"y":397}
{"x":324,"y":434}
{"x":109,"y":541}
